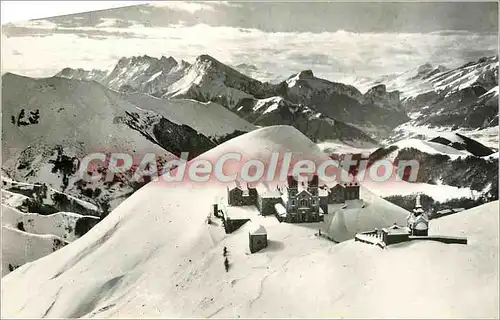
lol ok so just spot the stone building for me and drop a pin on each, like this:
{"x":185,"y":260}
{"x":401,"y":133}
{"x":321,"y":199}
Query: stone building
{"x":336,"y":194}
{"x":239,"y":194}
{"x":351,"y":191}
{"x":257,"y":238}
{"x":395,"y":234}
{"x":300,"y":200}
{"x":266,"y":197}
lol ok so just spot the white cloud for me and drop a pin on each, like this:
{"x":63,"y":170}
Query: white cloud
{"x":36,"y":24}
{"x":338,"y":56}
{"x":107,"y":22}
{"x":191,"y":7}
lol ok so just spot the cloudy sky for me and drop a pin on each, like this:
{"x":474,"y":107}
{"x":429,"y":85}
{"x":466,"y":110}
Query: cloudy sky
{"x":338,"y":41}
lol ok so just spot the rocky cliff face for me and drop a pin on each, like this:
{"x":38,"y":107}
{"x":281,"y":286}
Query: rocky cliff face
{"x":379,"y":97}
{"x":378,"y":112}
{"x":315,"y":125}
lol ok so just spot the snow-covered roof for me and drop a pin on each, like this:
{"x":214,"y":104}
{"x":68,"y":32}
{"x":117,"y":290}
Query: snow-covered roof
{"x":266,"y":191}
{"x":257,"y":229}
{"x":304,"y":191}
{"x":421,"y":226}
{"x":241,"y":212}
{"x":396,"y":229}
{"x":280,"y":209}
{"x":444,"y":211}
{"x":284,"y":197}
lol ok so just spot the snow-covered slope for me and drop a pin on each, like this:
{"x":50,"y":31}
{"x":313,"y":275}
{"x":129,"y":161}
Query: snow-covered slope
{"x":487,"y":136}
{"x":464,"y":98}
{"x":461,"y":142}
{"x":37,"y":220}
{"x":358,"y":216}
{"x":19,"y":247}
{"x":42,"y":199}
{"x":156,"y":256}
{"x":51,"y":124}
{"x":450,"y":171}
{"x":180,"y":273}
{"x":66,"y":225}
{"x":210,"y":119}
{"x":30,"y":236}
{"x":430,"y":147}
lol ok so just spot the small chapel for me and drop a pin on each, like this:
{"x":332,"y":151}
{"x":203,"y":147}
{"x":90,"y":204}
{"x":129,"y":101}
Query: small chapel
{"x":418,"y":220}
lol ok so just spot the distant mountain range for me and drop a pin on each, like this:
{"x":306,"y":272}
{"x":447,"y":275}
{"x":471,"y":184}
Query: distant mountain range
{"x":208,"y":79}
{"x":440,"y":99}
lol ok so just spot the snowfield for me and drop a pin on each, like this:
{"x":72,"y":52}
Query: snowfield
{"x":155,"y":256}
{"x":438,"y":192}
{"x":431,"y":148}
{"x":208,"y":118}
{"x":487,"y":136}
{"x":30,"y":236}
{"x":19,"y":247}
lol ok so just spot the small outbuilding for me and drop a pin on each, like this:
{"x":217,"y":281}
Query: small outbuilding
{"x":257,"y":238}
{"x":395,"y":234}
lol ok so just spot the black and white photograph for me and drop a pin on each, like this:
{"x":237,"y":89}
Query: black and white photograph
{"x":249,"y":159}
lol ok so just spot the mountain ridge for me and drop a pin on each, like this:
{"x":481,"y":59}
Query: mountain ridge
{"x":208,"y":79}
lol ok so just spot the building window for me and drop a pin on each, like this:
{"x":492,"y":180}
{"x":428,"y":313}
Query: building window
{"x":293,"y":202}
{"x":303,"y":203}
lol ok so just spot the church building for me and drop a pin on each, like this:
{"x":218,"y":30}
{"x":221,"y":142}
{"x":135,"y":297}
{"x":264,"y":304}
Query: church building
{"x":418,"y":221}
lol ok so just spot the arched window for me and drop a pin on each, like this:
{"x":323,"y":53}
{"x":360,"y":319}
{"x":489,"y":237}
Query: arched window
{"x":303,"y":203}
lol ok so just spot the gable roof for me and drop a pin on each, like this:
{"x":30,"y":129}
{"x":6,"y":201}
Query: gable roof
{"x":337,"y":186}
{"x":268,"y":191}
{"x":304,"y":191}
{"x":396,"y":229}
{"x":257,"y":229}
